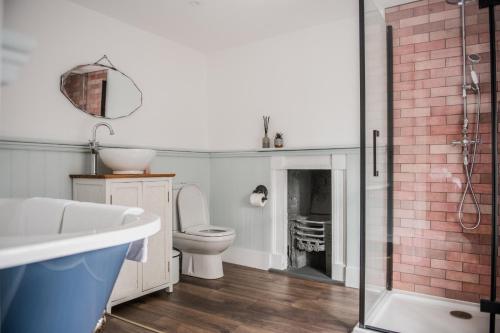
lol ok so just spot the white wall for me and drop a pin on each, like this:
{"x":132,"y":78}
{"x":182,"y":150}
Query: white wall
{"x":1,"y":34}
{"x":172,"y":78}
{"x":307,"y":81}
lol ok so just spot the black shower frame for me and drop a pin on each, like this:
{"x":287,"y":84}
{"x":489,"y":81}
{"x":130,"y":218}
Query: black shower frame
{"x":492,"y":305}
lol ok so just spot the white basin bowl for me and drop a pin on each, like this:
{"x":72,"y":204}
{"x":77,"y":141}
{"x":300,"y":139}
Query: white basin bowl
{"x":127,"y":161}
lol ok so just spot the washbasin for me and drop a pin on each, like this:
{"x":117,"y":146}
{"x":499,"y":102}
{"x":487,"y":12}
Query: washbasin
{"x":127,"y":161}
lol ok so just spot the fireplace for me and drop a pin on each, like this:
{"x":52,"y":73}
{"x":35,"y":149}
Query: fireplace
{"x":309,"y":216}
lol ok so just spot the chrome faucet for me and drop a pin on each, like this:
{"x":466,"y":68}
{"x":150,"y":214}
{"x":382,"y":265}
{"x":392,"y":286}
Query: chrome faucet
{"x":94,"y":146}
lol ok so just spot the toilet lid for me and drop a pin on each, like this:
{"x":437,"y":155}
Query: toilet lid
{"x":209,"y":231}
{"x":192,"y":206}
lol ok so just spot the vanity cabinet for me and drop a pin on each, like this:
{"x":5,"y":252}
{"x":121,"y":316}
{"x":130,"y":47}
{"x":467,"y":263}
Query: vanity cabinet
{"x":152,"y":193}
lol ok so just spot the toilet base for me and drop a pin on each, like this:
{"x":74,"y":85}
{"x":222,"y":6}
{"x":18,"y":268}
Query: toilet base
{"x":204,"y":266}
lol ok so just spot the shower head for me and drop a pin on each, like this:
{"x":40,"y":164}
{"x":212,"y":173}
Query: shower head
{"x":474,"y":58}
{"x":474,"y":77}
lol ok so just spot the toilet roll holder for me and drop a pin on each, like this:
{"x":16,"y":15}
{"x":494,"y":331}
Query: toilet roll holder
{"x":261,"y":189}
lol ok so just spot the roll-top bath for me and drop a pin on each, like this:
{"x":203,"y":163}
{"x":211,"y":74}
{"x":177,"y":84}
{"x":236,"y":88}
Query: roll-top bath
{"x":59,"y":260}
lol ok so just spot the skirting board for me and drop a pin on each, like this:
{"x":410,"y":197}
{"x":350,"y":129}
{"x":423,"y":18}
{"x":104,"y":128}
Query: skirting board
{"x":352,"y":277}
{"x":263,"y":260}
{"x":247,"y":257}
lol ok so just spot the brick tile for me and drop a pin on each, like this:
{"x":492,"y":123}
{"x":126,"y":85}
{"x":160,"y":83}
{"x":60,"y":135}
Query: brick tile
{"x":446,"y":15}
{"x":447,"y":246}
{"x":430,"y":64}
{"x":446,"y":284}
{"x":428,"y":46}
{"x":416,"y":279}
{"x":445,"y":91}
{"x":417,"y":261}
{"x":446,"y":53}
{"x":463,"y":296}
{"x":414,"y":20}
{"x":445,"y":264}
{"x":430,"y":290}
{"x":463,"y":277}
{"x":431,"y":272}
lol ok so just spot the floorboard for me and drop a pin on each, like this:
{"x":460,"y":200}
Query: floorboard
{"x":245,"y":300}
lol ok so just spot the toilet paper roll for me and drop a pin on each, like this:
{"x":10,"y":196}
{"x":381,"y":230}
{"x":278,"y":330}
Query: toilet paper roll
{"x":256,"y":199}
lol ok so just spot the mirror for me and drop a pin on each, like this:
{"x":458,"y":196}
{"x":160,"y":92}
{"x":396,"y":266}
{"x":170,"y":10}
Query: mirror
{"x":101,"y":90}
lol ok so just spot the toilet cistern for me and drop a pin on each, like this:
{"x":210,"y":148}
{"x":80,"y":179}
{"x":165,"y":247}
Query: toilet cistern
{"x":94,"y":145}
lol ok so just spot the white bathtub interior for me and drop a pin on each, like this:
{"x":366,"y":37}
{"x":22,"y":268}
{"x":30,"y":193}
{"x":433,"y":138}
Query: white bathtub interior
{"x":37,"y":229}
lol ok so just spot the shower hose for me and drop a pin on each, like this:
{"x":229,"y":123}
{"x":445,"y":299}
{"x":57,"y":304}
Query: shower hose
{"x":469,"y":171}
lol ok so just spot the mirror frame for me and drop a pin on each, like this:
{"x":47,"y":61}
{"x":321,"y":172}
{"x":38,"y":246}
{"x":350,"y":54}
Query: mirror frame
{"x":110,"y":66}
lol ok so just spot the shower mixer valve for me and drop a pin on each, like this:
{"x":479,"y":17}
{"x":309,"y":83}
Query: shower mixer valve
{"x":465,"y":143}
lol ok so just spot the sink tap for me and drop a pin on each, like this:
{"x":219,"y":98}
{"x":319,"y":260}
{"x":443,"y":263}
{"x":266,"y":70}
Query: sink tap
{"x":94,"y":145}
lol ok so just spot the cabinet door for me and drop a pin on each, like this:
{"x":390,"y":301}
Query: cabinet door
{"x":129,"y":280}
{"x":156,"y":197}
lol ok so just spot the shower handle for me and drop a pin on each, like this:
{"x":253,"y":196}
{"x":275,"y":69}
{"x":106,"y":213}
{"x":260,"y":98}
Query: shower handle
{"x":376,"y":134}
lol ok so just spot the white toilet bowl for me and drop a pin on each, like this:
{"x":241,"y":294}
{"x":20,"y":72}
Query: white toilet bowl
{"x":201,"y":244}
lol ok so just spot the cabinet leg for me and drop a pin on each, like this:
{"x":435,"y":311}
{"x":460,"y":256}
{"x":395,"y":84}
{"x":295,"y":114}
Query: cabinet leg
{"x":170,"y":288}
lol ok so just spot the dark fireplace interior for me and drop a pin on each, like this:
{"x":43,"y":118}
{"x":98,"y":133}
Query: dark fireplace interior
{"x":309,"y":223}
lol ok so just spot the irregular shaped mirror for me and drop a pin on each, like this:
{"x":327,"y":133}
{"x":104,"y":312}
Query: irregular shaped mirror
{"x":101,"y":90}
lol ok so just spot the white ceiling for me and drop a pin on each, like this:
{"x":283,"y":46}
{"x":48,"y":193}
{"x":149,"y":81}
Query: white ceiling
{"x":381,"y":5}
{"x":210,"y":25}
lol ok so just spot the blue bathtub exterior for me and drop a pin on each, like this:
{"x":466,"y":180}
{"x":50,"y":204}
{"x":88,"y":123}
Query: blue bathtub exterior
{"x":63,"y":295}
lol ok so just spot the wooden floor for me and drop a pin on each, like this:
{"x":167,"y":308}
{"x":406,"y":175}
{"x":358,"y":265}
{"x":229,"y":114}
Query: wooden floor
{"x":245,"y":300}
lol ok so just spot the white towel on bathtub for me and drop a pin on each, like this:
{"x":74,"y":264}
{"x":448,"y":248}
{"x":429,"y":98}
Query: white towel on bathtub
{"x":138,"y":250}
{"x":86,"y":216}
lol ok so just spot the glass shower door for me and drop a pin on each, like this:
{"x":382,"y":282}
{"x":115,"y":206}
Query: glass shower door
{"x":375,"y":140}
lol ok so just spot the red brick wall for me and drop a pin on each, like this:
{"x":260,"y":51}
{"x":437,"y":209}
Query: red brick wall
{"x":433,"y":254}
{"x":85,"y":90}
{"x":74,"y":86}
{"x":94,"y":91}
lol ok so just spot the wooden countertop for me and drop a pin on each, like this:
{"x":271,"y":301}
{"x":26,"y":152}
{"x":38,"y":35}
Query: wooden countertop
{"x":118,"y":176}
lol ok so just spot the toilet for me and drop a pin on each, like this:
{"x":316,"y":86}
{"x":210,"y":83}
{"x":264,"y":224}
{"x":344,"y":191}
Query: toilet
{"x":201,"y":244}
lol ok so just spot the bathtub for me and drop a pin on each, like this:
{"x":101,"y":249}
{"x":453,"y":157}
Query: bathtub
{"x":59,"y":260}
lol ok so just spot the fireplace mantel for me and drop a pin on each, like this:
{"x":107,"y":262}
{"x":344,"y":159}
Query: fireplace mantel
{"x":279,"y":167}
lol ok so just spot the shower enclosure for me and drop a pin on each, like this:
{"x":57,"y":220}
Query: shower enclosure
{"x":429,"y":166}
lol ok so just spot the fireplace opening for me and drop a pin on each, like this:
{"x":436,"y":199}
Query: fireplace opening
{"x":309,"y":208}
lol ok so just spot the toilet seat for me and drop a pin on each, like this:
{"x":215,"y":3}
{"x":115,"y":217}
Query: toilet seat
{"x":206,"y":230}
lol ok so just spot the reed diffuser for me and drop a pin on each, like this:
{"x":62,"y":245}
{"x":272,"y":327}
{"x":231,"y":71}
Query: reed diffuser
{"x":266,"y":142}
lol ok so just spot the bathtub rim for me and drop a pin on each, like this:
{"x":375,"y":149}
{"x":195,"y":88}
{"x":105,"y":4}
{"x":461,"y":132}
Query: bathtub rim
{"x":23,"y":250}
